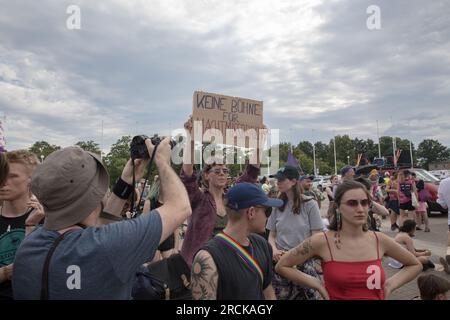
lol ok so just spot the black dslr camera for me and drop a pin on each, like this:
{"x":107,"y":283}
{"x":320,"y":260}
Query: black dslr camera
{"x":138,"y":149}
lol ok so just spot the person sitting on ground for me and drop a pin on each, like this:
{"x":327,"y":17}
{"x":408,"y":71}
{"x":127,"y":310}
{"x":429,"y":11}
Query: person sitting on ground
{"x":351,"y":262}
{"x":237,"y":263}
{"x":71,"y":255}
{"x":404,"y":238}
{"x":433,"y":287}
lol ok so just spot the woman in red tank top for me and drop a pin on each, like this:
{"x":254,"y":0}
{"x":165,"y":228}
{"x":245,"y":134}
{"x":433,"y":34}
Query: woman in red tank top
{"x":351,"y":255}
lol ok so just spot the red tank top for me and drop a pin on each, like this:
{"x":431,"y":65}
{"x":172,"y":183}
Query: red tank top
{"x":361,"y":280}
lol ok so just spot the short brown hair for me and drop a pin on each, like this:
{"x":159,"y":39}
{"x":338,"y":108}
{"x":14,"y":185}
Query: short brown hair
{"x":431,"y":285}
{"x":24,"y":157}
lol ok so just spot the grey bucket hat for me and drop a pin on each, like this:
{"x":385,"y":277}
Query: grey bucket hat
{"x":70,"y":184}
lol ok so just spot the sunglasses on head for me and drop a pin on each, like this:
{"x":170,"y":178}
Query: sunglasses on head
{"x":219,"y":170}
{"x":354,"y":203}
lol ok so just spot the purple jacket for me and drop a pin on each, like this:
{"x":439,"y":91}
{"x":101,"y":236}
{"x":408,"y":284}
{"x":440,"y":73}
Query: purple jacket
{"x":203,"y":219}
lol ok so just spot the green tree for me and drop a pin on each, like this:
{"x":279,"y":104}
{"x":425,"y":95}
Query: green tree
{"x":43,"y":148}
{"x":322,"y":151}
{"x":306,"y":147}
{"x":430,"y":150}
{"x":89,"y":146}
{"x":118,"y":156}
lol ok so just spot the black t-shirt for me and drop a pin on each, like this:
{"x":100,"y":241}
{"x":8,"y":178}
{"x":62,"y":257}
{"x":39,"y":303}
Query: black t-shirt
{"x":169,"y":243}
{"x":237,"y":280}
{"x":12,"y":232}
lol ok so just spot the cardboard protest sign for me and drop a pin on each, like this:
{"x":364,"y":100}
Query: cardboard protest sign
{"x":222,"y":112}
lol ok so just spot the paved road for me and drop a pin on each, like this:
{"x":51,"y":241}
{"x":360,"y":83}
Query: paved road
{"x":436,"y":241}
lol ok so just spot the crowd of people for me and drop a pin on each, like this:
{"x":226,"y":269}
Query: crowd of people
{"x":65,"y":235}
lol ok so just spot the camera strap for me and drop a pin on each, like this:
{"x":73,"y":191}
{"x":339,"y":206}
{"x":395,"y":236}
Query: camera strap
{"x":138,"y":211}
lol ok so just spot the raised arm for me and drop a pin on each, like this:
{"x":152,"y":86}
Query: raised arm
{"x":188,"y":157}
{"x":204,"y":277}
{"x":297,"y":256}
{"x":175,"y":209}
{"x":114,"y":204}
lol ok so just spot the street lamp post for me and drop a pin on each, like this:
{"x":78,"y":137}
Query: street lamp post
{"x":42,"y":158}
{"x":348,"y":160}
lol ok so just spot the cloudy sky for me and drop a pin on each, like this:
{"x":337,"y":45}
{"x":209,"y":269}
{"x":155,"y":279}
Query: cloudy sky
{"x":134,"y":66}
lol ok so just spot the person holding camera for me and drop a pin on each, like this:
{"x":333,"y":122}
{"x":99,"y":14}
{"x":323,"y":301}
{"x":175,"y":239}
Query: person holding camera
{"x":207,"y":202}
{"x":73,"y":257}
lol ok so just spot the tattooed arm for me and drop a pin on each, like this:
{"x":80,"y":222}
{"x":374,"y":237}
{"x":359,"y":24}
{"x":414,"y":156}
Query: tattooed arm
{"x":204,"y":277}
{"x":297,"y":256}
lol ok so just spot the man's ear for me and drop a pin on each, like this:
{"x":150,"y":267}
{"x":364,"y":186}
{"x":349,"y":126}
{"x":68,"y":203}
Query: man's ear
{"x":251,"y":213}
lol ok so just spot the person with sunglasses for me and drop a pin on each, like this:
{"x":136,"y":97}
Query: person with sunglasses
{"x":351,"y":255}
{"x":207,"y":202}
{"x":297,"y":219}
{"x":237,"y":263}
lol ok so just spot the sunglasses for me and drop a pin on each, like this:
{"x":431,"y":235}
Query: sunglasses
{"x":219,"y":170}
{"x":354,"y":203}
{"x":267,"y":210}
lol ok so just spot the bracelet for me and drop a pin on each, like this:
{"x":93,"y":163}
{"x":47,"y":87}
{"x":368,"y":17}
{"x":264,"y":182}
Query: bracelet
{"x":122,"y":189}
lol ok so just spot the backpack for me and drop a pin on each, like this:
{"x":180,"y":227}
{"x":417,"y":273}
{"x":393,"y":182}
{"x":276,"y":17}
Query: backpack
{"x":167,"y":279}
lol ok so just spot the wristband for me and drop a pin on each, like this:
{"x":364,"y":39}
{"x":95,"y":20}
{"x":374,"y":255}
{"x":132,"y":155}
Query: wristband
{"x":122,"y":189}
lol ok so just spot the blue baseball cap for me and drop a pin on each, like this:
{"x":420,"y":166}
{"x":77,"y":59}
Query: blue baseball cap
{"x":245,"y":195}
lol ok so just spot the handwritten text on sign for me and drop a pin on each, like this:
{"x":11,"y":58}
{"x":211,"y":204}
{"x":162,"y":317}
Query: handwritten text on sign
{"x":225,"y":112}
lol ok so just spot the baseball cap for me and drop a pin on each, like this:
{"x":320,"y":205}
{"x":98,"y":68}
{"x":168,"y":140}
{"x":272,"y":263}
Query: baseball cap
{"x":70,"y":184}
{"x":345,"y":169}
{"x":306,"y":178}
{"x":245,"y":195}
{"x":286,"y":172}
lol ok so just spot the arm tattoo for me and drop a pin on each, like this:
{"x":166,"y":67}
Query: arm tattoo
{"x":204,"y":278}
{"x":304,"y":248}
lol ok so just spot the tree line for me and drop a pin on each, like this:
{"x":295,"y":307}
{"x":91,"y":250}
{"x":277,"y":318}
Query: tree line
{"x":347,"y":151}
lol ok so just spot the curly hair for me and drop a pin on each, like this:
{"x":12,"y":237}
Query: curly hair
{"x":24,"y":157}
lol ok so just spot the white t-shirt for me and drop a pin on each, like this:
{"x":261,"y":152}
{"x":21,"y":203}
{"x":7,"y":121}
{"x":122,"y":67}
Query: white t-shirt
{"x":292,"y":229}
{"x":444,"y":195}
